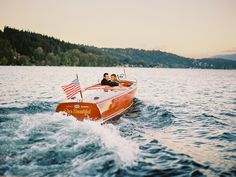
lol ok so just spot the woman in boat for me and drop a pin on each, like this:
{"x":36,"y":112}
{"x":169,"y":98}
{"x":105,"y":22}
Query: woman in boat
{"x":114,"y":81}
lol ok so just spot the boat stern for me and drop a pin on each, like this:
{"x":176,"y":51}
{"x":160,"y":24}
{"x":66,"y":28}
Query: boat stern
{"x":80,"y":110}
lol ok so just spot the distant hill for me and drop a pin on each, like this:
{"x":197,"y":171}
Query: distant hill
{"x":228,"y":56}
{"x":18,"y":47}
{"x":145,"y":58}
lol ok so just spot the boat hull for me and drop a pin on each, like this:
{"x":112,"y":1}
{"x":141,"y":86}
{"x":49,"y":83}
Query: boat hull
{"x":116,"y":106}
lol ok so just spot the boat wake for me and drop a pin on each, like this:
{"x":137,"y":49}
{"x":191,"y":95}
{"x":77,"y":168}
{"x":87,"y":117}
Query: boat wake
{"x":60,"y":143}
{"x":149,"y":115}
{"x":110,"y":137}
{"x":45,"y":143}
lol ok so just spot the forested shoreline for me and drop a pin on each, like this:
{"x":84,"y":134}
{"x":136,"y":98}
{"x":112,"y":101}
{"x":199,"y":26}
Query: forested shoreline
{"x":19,"y":47}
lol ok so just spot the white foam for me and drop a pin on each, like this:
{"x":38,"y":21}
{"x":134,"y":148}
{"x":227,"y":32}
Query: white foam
{"x":126,"y":150}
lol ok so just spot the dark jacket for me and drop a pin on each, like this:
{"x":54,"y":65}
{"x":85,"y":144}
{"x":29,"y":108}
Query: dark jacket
{"x":112,"y":84}
{"x":105,"y":82}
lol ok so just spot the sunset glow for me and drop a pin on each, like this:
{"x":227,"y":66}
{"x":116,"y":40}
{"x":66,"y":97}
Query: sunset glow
{"x":189,"y":28}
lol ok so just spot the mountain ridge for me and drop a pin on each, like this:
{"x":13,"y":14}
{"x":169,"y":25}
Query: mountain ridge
{"x":227,"y":56}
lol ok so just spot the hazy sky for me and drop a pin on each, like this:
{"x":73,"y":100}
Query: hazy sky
{"x":193,"y":28}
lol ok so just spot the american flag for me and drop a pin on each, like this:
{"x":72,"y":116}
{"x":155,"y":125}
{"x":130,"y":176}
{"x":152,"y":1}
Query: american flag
{"x":72,"y":88}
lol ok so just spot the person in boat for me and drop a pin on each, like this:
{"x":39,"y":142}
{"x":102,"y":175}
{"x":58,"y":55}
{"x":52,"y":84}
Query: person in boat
{"x":105,"y":80}
{"x":114,"y":81}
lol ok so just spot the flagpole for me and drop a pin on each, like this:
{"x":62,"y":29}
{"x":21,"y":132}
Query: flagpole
{"x":80,"y":87}
{"x":124,"y":73}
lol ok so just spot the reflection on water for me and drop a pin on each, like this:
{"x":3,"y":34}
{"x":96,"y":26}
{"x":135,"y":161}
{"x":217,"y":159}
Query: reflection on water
{"x":182,"y":123}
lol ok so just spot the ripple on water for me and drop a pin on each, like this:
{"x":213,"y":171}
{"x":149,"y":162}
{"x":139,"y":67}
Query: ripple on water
{"x":31,"y":108}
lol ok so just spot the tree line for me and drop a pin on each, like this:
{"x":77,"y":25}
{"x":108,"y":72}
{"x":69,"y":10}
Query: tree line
{"x":19,"y":47}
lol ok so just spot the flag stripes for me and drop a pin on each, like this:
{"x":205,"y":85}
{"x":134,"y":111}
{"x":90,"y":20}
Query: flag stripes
{"x":72,"y":88}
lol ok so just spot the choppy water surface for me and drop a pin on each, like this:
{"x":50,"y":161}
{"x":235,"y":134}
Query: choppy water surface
{"x":182,"y":123}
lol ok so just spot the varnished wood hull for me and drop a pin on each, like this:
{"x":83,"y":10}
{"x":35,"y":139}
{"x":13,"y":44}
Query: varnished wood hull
{"x":102,"y":109}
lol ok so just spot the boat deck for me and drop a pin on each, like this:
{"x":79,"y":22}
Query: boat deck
{"x":96,"y":95}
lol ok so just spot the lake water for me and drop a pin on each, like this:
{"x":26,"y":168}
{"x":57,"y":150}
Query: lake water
{"x":182,"y":123}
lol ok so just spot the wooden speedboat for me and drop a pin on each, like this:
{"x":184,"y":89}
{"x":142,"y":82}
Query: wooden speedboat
{"x":101,"y":102}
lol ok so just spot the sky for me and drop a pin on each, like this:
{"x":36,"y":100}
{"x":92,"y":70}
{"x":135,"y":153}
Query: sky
{"x":191,"y":28}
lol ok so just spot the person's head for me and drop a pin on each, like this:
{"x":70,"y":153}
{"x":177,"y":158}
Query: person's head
{"x":113,"y":77}
{"x":106,"y":76}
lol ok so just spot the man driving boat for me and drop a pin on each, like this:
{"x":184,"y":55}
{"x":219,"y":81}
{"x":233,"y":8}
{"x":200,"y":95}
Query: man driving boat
{"x":105,"y":80}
